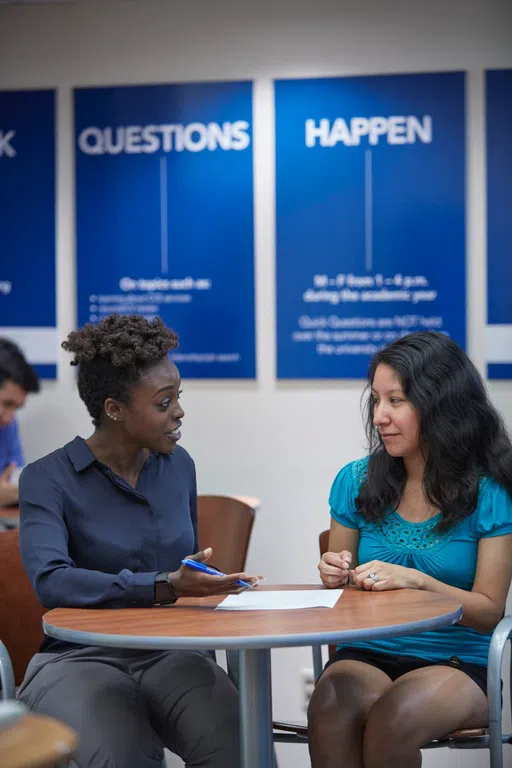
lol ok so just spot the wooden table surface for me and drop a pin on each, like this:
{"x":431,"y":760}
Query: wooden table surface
{"x":36,"y":741}
{"x":356,"y":614}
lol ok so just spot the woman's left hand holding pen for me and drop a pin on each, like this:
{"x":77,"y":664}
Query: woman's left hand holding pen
{"x":188,"y":582}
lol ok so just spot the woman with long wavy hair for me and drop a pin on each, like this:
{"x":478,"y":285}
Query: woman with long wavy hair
{"x":429,"y":508}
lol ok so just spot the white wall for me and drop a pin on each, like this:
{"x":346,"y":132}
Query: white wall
{"x":282,"y":442}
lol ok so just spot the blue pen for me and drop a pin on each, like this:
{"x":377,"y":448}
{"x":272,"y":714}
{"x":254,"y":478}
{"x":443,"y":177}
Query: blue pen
{"x":212,"y":571}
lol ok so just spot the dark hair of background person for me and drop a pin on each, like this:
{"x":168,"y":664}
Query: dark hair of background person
{"x":114,"y":355}
{"x":462,"y":436}
{"x":14,"y":367}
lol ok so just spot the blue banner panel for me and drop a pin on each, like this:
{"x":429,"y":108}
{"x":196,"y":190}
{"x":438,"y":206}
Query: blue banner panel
{"x":164,"y":201}
{"x":370,"y":217}
{"x":27,"y":226}
{"x":499,"y":229}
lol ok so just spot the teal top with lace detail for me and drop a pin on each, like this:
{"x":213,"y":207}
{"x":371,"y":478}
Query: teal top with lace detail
{"x":448,"y":556}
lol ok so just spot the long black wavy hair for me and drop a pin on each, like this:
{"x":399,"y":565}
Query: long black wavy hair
{"x":462,"y":436}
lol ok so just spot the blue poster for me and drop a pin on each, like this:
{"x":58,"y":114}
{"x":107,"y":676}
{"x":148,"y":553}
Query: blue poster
{"x":370,"y":214}
{"x":164,"y":202}
{"x":499,"y":228}
{"x":27,"y":226}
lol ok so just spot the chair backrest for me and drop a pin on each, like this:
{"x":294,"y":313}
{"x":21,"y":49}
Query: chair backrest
{"x":323,"y":541}
{"x":225,"y":524}
{"x":20,"y":612}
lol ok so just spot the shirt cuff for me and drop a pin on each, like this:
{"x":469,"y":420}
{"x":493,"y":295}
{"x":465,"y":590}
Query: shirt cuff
{"x":141,"y":589}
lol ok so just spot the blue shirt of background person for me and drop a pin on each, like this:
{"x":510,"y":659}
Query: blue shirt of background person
{"x":429,"y":509}
{"x":17,"y":380}
{"x":10,"y":446}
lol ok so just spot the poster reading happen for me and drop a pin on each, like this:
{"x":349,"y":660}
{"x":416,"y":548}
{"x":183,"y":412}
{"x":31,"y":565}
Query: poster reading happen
{"x":164,"y":195}
{"x":499,"y":232}
{"x":370,"y":217}
{"x":27,"y":226}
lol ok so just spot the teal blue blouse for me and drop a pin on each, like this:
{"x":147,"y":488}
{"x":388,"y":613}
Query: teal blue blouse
{"x":450,"y":557}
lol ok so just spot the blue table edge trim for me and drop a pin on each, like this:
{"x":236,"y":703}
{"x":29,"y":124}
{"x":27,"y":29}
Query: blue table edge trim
{"x":248,"y":641}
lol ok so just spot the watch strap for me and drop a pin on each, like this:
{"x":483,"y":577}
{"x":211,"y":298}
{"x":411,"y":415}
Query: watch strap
{"x":164,"y":590}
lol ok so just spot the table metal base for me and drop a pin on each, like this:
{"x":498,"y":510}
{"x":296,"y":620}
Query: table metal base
{"x":256,"y":709}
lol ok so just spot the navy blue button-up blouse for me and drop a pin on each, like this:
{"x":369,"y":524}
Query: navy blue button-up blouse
{"x":88,"y":539}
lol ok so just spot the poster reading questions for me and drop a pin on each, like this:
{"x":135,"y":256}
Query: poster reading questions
{"x":27,"y":226}
{"x":499,"y":231}
{"x":164,"y":196}
{"x":370,"y":213}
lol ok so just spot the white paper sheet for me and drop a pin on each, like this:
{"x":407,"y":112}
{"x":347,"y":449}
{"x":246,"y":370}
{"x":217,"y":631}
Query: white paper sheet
{"x":281,"y":600}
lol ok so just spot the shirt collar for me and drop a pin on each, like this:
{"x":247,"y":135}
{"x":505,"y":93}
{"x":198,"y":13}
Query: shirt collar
{"x":82,"y":457}
{"x":80,"y":454}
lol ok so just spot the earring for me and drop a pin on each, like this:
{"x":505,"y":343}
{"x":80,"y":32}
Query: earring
{"x":111,"y":416}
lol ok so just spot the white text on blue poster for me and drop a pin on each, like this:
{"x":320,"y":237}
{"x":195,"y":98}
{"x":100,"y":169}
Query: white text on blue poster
{"x":499,"y":231}
{"x":27,"y":230}
{"x":370,"y":217}
{"x":165,"y":216}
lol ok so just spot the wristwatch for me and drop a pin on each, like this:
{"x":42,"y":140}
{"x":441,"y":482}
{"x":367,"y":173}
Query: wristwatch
{"x":164,"y":590}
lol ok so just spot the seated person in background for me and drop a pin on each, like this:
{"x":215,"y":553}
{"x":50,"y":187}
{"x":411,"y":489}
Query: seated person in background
{"x":430,"y":509}
{"x":17,"y":379}
{"x":105,"y":523}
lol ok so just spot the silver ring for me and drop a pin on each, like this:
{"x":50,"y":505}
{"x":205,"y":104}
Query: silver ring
{"x":373,"y":576}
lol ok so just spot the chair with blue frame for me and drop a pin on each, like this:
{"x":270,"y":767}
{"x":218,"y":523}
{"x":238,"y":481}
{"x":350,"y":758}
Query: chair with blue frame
{"x":491,"y":738}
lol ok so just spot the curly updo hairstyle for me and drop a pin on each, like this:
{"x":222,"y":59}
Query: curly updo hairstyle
{"x":114,"y":355}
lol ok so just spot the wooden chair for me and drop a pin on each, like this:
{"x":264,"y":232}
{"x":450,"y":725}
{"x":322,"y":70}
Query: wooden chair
{"x":491,"y":738}
{"x":33,"y":741}
{"x":225,"y":524}
{"x":21,"y":630}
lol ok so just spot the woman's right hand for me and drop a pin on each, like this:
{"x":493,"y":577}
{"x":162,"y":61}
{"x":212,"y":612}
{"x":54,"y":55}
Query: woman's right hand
{"x":188,"y":582}
{"x":334,"y":568}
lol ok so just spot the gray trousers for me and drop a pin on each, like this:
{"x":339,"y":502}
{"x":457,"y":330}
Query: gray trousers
{"x":126,"y":705}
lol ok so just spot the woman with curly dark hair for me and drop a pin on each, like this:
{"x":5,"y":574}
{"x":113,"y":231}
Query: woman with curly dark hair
{"x":106,"y":522}
{"x":430,"y":508}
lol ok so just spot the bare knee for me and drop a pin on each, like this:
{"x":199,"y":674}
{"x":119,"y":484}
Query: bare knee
{"x":393,"y":719}
{"x":396,"y":729}
{"x":344,"y":693}
{"x":419,"y":707}
{"x":337,"y":713}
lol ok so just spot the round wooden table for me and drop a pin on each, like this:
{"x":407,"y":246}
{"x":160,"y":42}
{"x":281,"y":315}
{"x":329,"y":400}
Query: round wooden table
{"x":36,"y":741}
{"x":194,"y":624}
